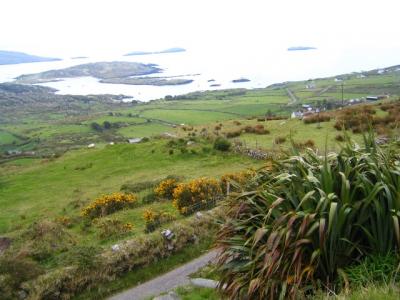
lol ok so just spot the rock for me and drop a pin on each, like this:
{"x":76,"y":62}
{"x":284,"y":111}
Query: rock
{"x":168,"y":234}
{"x":5,"y":243}
{"x":190,"y":143}
{"x":170,"y":296}
{"x":22,"y":295}
{"x":202,"y":282}
{"x":115,"y":248}
{"x":199,"y":215}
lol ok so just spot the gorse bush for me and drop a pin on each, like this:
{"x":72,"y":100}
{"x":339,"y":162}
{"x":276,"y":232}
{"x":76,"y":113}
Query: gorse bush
{"x":308,"y":218}
{"x":166,"y":188}
{"x":155,"y":219}
{"x":196,"y":195}
{"x":107,"y":204}
{"x":235,"y":180}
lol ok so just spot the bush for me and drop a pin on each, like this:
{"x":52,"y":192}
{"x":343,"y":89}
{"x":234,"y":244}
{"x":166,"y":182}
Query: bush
{"x":166,"y":188}
{"x":222,"y":144}
{"x":236,"y":180}
{"x":112,"y":227}
{"x":108,"y":204}
{"x":232,"y":134}
{"x":155,"y":219}
{"x":279,"y":140}
{"x":317,"y":118}
{"x":13,"y":272}
{"x":45,"y":238}
{"x":340,"y":138}
{"x":138,"y":186}
{"x":307,"y":218}
{"x":196,"y":195}
{"x":149,"y":198}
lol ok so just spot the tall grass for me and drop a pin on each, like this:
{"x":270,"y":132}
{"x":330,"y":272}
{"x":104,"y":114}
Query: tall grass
{"x":307,"y":217}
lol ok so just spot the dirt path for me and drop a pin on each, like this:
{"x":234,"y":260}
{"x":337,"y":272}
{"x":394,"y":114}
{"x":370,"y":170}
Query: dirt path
{"x":166,"y":282}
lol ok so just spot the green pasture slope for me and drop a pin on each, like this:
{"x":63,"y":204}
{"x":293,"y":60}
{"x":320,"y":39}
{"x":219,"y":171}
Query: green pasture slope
{"x":39,"y":189}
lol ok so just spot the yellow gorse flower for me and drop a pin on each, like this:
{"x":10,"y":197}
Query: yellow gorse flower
{"x":108,"y":204}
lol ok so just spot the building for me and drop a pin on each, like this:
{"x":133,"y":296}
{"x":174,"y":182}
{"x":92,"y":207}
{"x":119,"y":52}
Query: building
{"x":135,"y":140}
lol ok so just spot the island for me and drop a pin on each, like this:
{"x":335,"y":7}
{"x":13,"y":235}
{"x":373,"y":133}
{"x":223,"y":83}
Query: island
{"x":301,"y":48}
{"x":240,"y":80}
{"x":12,"y":57}
{"x":116,"y":72}
{"x":100,"y":70}
{"x":169,"y":50}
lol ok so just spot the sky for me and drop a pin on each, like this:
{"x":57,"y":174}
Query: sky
{"x":65,"y":28}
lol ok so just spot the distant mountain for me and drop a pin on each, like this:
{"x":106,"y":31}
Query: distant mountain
{"x":11,"y":57}
{"x":169,"y":50}
{"x":301,"y":48}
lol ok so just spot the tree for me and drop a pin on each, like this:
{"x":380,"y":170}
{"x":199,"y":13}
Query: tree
{"x":96,"y":127}
{"x":107,"y":125}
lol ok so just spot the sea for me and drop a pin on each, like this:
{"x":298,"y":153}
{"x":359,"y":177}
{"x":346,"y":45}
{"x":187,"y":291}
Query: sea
{"x":215,"y":67}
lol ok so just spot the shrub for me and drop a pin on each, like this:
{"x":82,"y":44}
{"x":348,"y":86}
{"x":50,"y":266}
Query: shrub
{"x":112,"y":227}
{"x":232,"y":134}
{"x":279,"y":140}
{"x":13,"y":272}
{"x":155,"y":219}
{"x":138,"y":186}
{"x":317,"y":118}
{"x":237,"y":123}
{"x":340,"y":138}
{"x":236,"y":180}
{"x":196,"y":195}
{"x":108,"y":204}
{"x":149,"y":198}
{"x":166,"y":188}
{"x":222,"y":144}
{"x":309,"y":217}
{"x":45,"y":238}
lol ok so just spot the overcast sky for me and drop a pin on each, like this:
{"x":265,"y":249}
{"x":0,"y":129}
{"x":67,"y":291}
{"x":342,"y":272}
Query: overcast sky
{"x":85,"y":27}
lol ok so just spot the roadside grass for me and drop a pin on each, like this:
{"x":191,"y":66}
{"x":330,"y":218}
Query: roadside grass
{"x":144,"y":274}
{"x":197,"y":293}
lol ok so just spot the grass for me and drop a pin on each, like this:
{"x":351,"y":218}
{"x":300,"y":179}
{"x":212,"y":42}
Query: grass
{"x":197,"y":293}
{"x":136,"y":277}
{"x":45,"y":189}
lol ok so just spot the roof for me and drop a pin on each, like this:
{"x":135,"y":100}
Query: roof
{"x":135,"y":140}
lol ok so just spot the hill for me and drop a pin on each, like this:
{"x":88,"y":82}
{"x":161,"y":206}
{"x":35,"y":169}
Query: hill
{"x":12,"y":57}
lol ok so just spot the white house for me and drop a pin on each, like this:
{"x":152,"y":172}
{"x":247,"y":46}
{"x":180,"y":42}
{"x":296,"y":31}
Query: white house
{"x":135,"y":140}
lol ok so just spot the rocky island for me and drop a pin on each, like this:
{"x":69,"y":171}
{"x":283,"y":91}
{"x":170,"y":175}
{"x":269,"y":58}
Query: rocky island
{"x":116,"y":72}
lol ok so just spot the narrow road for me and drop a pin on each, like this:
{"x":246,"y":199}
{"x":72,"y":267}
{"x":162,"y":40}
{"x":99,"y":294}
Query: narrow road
{"x":166,"y":282}
{"x":292,"y":97}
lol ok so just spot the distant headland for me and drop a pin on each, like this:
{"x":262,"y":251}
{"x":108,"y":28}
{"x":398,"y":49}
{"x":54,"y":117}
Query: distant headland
{"x":301,"y":48}
{"x":12,"y":57}
{"x":169,"y":50}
